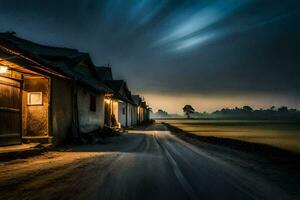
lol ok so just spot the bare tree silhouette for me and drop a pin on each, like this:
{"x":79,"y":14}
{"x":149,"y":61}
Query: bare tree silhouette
{"x":188,"y":110}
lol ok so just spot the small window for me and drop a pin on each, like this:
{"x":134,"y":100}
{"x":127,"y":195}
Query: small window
{"x":93,"y":103}
{"x":34,"y":98}
{"x":124,"y":111}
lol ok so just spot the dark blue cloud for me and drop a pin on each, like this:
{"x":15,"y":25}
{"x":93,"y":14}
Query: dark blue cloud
{"x":186,"y":46}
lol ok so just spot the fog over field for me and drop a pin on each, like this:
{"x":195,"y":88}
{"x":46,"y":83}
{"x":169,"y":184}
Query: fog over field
{"x":278,"y":134}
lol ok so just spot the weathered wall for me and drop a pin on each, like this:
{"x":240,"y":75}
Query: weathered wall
{"x":36,"y":116}
{"x":90,"y":120}
{"x":147,"y":117}
{"x":122,"y":115}
{"x":141,"y":114}
{"x":129,"y":113}
{"x":62,"y":109}
{"x":101,"y":109}
{"x":115,"y":112}
{"x":134,"y":115}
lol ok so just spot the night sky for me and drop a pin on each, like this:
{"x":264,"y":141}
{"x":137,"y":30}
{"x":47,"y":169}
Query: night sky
{"x":210,"y":54}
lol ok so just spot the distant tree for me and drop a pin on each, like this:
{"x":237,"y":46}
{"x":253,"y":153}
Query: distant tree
{"x":283,"y":109}
{"x":161,"y":112}
{"x":247,"y":108}
{"x":188,"y":110}
{"x":246,"y":112}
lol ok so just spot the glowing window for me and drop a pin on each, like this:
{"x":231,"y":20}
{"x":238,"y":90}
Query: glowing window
{"x":3,"y":69}
{"x":35,"y":98}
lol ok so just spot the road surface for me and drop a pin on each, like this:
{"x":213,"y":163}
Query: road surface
{"x":146,"y":164}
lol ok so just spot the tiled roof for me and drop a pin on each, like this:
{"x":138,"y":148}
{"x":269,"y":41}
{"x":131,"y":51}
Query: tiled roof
{"x":61,"y":60}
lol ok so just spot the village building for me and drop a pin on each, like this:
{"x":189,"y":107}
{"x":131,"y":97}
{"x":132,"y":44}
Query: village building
{"x":120,"y":103}
{"x":111,"y":103}
{"x":54,"y":95}
{"x":142,"y":109}
{"x":120,"y":109}
{"x":137,"y":101}
{"x":47,"y":94}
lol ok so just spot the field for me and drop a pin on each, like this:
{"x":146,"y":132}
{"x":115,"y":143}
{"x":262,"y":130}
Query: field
{"x":279,"y":134}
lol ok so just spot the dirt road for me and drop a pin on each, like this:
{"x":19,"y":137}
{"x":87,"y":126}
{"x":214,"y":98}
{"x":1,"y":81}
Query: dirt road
{"x":148,"y":164}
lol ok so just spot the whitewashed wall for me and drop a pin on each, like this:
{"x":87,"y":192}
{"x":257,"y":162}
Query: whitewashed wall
{"x":122,"y":114}
{"x":90,"y":120}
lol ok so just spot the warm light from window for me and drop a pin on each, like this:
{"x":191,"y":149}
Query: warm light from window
{"x":3,"y":69}
{"x":107,"y":101}
{"x":35,"y":98}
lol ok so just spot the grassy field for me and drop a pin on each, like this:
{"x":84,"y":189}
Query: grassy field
{"x":279,"y":134}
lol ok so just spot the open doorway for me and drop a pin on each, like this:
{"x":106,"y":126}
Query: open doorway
{"x":111,"y":111}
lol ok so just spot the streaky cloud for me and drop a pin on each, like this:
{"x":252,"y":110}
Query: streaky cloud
{"x":196,"y":40}
{"x":196,"y":19}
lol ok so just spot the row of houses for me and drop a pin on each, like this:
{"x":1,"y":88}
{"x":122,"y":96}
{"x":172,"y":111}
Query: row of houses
{"x":57,"y":94}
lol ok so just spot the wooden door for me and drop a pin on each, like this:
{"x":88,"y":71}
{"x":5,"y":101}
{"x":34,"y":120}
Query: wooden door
{"x":10,"y":111}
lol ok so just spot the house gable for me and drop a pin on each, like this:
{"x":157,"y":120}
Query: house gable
{"x":104,"y":73}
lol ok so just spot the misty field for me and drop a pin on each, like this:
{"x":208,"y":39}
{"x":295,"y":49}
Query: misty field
{"x":279,"y":134}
